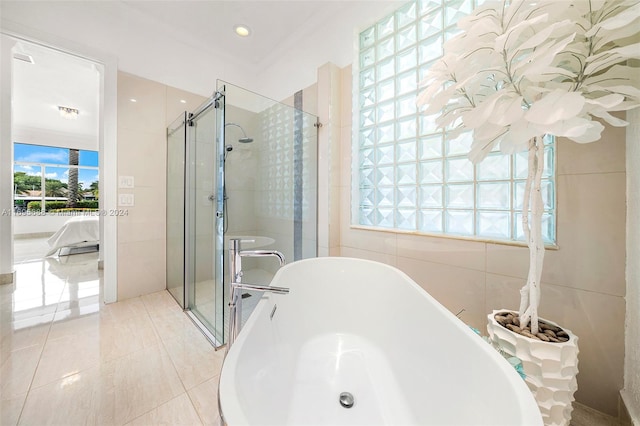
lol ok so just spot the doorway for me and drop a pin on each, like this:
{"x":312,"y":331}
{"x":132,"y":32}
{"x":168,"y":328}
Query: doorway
{"x":97,"y":153}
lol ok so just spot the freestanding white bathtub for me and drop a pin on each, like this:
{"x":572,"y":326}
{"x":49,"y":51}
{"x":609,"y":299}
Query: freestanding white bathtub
{"x":351,"y":325}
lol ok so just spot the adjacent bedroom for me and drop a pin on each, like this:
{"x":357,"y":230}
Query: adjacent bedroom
{"x":56,"y":159}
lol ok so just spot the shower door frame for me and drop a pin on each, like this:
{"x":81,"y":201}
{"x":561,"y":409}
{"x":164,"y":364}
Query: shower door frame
{"x":216,"y":101}
{"x":184,"y":117}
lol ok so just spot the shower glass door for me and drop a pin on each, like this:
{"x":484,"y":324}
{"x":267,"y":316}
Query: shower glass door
{"x":176,"y":169}
{"x":205,"y":296}
{"x":270,"y":176}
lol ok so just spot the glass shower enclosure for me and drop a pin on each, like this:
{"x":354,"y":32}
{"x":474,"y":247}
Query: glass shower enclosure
{"x":240,"y":166}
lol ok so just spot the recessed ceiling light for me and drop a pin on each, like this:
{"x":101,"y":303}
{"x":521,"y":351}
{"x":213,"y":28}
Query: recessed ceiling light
{"x":242,"y":30}
{"x":68,"y":113}
{"x":133,"y":100}
{"x":182,"y":101}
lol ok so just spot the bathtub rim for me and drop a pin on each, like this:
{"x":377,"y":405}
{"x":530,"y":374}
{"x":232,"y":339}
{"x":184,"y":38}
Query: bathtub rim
{"x":527,"y":405}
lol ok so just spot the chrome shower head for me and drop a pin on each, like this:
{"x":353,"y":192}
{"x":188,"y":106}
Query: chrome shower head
{"x":244,"y":139}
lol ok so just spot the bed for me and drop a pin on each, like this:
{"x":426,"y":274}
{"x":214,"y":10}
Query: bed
{"x":81,"y":231}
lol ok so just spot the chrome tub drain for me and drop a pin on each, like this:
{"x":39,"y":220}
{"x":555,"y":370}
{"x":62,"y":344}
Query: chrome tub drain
{"x":346,"y":400}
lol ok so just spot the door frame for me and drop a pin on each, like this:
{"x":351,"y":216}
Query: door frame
{"x":107,"y":66}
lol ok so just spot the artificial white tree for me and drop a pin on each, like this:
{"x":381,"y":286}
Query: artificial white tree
{"x":523,"y":69}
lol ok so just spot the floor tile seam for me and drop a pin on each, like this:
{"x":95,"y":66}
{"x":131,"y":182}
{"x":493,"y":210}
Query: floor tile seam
{"x":108,"y":317}
{"x":173,"y":364}
{"x":126,"y":422}
{"x":196,"y":408}
{"x":201,"y":382}
{"x":100,"y":363}
{"x":16,"y":350}
{"x":74,"y":333}
{"x":162,"y":403}
{"x":93,"y":333}
{"x":35,"y":370}
{"x":160,"y":315}
{"x":153,"y":323}
{"x":150,"y":311}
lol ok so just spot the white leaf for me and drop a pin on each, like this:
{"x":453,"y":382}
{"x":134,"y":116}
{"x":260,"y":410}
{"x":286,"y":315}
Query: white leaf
{"x":548,"y":74}
{"x":486,"y":12}
{"x":605,"y":37}
{"x":428,"y":93}
{"x":542,"y":36}
{"x":554,"y":107}
{"x":450,"y":115}
{"x":518,"y":145}
{"x":507,"y":111}
{"x":542,"y":57}
{"x":576,"y":128}
{"x":437,"y":102}
{"x":484,"y":139}
{"x":630,"y":91}
{"x":592,"y":134}
{"x":610,"y":57}
{"x":625,"y":17}
{"x":607,"y":101}
{"x":511,"y":35}
{"x":617,"y":74}
{"x":614,"y":121}
{"x":480,"y":114}
{"x":626,"y":106}
{"x":517,"y":138}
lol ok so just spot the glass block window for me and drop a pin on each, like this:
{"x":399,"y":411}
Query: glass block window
{"x":410,"y":175}
{"x":275,"y":195}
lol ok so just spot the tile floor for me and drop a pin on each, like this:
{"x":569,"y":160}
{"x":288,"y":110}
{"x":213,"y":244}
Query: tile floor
{"x":67,"y":358}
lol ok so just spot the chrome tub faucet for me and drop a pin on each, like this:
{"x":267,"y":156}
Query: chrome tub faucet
{"x":235,"y":298}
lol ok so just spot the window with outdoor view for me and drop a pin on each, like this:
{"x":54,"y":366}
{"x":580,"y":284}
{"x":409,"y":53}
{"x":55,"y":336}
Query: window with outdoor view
{"x":51,"y":179}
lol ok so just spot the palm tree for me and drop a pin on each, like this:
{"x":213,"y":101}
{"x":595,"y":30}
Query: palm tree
{"x":94,"y":188}
{"x":55,"y":188}
{"x":72,"y":200}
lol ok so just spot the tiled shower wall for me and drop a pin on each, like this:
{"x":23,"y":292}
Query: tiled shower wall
{"x":583,"y":284}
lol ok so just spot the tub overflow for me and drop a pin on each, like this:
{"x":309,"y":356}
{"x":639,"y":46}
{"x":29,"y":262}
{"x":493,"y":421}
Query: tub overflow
{"x":346,"y":400}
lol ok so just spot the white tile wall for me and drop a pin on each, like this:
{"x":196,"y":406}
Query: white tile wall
{"x":142,"y":154}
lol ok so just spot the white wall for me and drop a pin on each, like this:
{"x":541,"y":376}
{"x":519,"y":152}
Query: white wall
{"x":46,"y":137}
{"x":631,"y":392}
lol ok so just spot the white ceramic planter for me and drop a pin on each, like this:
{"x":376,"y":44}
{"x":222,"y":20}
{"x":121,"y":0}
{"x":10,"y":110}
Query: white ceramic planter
{"x":551,"y":368}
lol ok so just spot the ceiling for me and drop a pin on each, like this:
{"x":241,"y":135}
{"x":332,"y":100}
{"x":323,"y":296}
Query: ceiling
{"x":209,"y":24}
{"x":184,"y":44}
{"x":54,"y":79}
{"x":190,"y":44}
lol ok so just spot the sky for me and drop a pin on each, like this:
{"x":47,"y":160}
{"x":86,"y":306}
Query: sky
{"x":56,"y":160}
